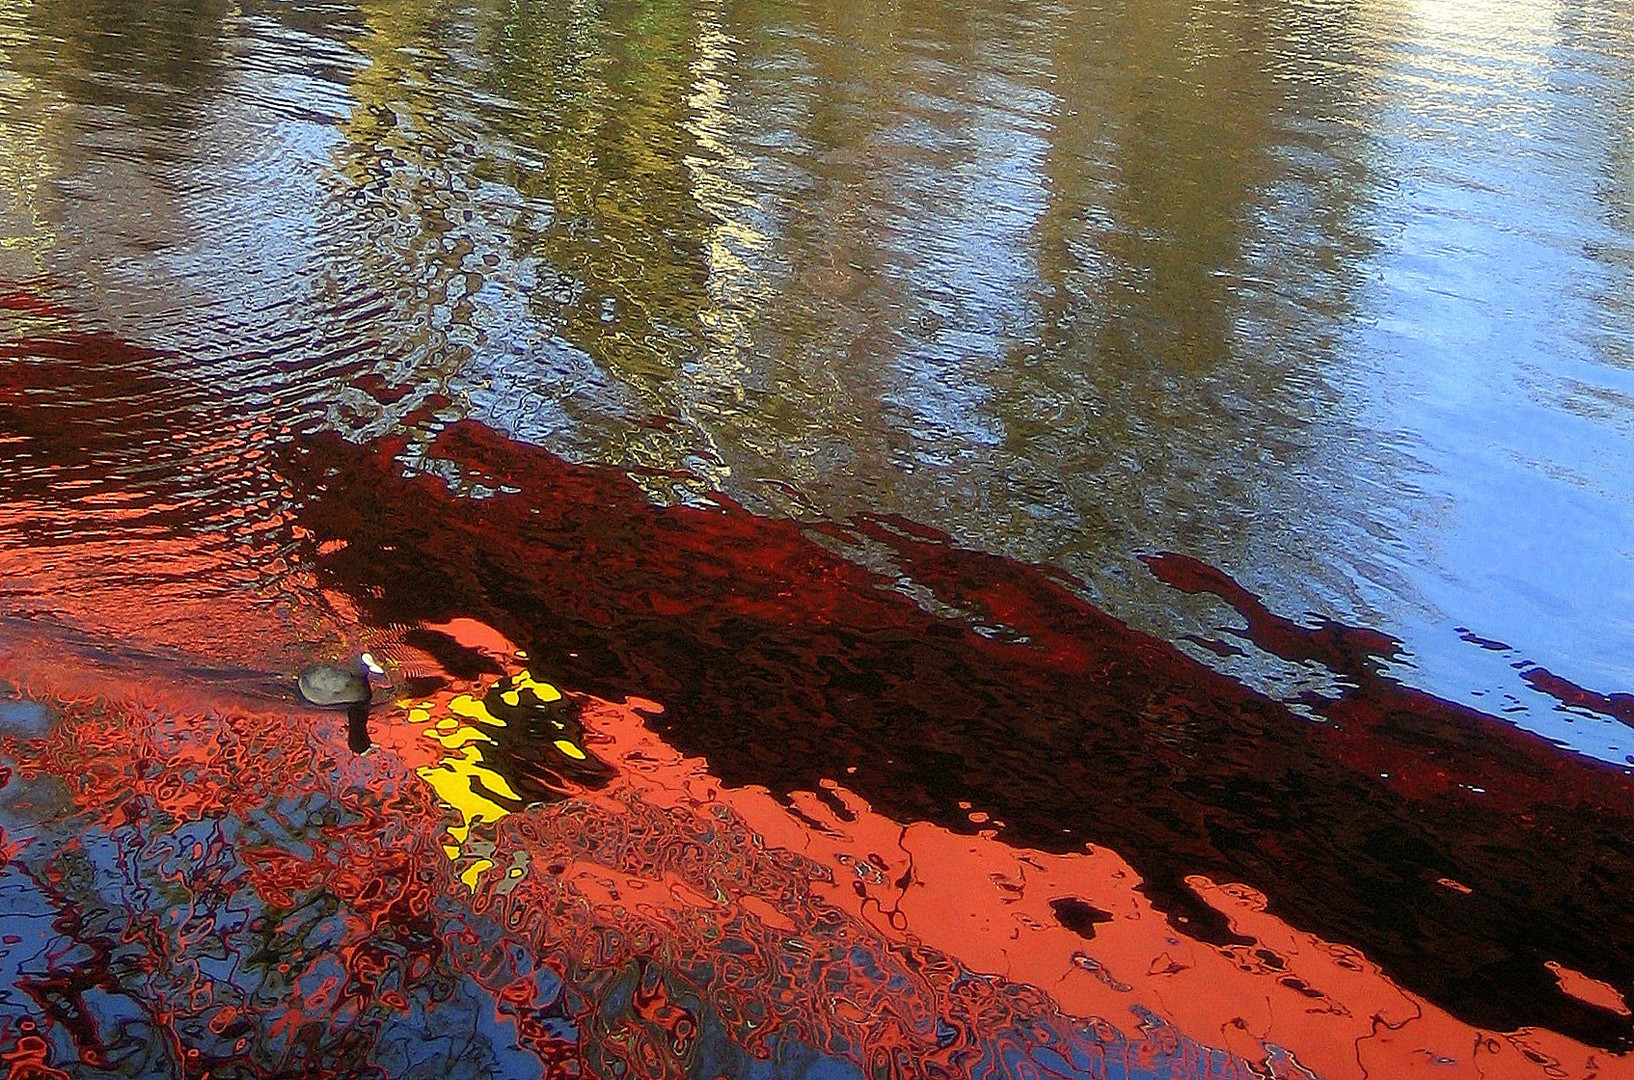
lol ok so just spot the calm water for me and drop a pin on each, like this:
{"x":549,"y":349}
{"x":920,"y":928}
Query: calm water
{"x":809,"y":391}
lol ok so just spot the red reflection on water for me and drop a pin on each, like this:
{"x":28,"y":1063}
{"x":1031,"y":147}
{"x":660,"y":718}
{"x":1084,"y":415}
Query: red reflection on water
{"x":324,"y":879}
{"x":814,"y":917}
{"x":1056,"y":720}
{"x":1618,"y":706}
{"x":128,"y":512}
{"x":1427,"y":746}
{"x":31,"y":303}
{"x":907,"y":795}
{"x":992,"y":907}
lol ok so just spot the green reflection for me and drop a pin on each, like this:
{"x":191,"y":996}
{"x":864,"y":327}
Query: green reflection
{"x":597,"y":116}
{"x":148,"y":57}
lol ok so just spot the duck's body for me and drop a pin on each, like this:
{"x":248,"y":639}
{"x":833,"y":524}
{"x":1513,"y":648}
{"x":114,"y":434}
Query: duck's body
{"x":331,"y":686}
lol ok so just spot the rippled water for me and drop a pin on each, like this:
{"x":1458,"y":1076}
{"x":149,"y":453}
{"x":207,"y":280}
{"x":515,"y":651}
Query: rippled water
{"x":829,"y":399}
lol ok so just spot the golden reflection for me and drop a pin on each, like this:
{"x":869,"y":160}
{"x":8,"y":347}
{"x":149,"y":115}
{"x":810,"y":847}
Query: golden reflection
{"x":601,"y":115}
{"x":460,"y":778}
{"x":413,"y":227}
{"x":466,"y":775}
{"x":735,"y":246}
{"x":28,"y":126}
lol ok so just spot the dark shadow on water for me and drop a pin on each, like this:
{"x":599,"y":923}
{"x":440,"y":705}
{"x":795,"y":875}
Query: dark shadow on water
{"x":357,"y":727}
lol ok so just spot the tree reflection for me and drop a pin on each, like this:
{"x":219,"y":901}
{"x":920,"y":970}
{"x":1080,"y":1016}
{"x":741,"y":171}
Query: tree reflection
{"x":599,"y":110}
{"x":955,"y":261}
{"x":1176,"y":394}
{"x":151,"y":58}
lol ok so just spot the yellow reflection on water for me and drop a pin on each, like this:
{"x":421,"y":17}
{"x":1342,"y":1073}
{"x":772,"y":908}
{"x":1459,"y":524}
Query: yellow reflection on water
{"x":464,"y":780}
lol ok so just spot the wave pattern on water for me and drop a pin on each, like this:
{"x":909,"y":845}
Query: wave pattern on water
{"x":891,"y":455}
{"x":1279,"y":285}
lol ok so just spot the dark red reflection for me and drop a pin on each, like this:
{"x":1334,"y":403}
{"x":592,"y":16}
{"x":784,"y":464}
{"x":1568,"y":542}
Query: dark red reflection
{"x":785,"y":664}
{"x":1544,"y":681}
{"x":1424,"y":744}
{"x":31,"y":303}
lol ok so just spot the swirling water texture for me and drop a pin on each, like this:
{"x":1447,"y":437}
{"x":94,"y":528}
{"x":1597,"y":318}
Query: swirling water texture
{"x":229,"y":891}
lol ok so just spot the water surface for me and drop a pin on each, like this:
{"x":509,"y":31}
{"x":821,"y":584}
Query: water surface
{"x":834,"y":378}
